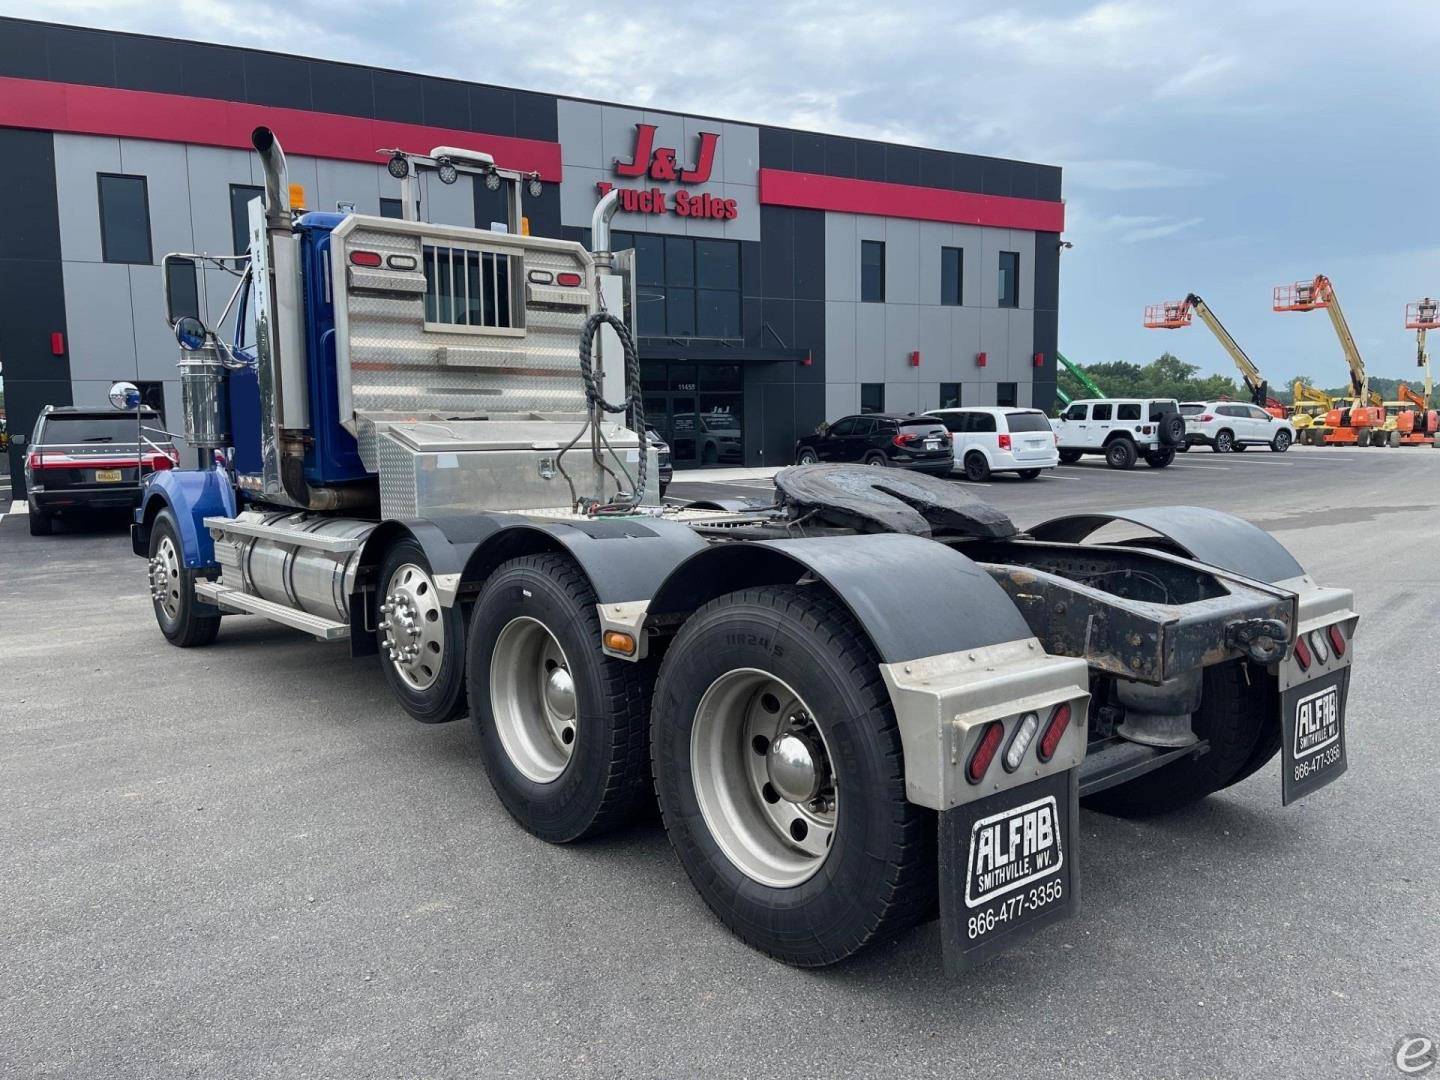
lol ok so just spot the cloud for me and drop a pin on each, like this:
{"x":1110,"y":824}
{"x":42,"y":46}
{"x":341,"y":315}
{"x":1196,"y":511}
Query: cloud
{"x":1134,"y":175}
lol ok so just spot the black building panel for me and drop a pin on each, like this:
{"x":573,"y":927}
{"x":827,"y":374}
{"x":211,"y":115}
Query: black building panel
{"x":935,"y":168}
{"x":399,"y":97}
{"x":809,"y":407}
{"x":446,"y":103}
{"x":752,"y":322}
{"x":752,"y":274}
{"x":147,"y":64}
{"x":777,"y":242}
{"x":492,"y":110}
{"x":902,"y":165}
{"x":544,"y":212}
{"x":343,"y":89}
{"x":282,"y":81}
{"x":23,"y":50}
{"x":809,"y":152}
{"x":840,"y":154}
{"x":998,"y":177}
{"x":779,"y":316}
{"x":1047,"y":271}
{"x":809,"y":241}
{"x":1047,"y":182}
{"x":810,"y":334}
{"x":536,"y":116}
{"x":211,"y":71}
{"x":776,"y":149}
{"x":81,"y":56}
{"x":870,"y":160}
{"x":1024,"y":180}
{"x":777,"y":422}
{"x":967,"y":172}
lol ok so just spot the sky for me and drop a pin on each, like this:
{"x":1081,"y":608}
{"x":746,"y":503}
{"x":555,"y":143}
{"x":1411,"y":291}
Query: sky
{"x":1214,"y":147}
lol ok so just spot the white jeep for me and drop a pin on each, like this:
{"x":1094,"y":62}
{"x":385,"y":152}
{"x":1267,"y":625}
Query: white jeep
{"x":1124,"y":430}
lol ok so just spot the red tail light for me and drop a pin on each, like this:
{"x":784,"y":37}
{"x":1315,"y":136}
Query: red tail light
{"x":33,"y":462}
{"x":1004,"y":442}
{"x":162,"y":461}
{"x":1337,"y":639}
{"x":1206,"y":418}
{"x":568,"y":279}
{"x":365,"y":258}
{"x":984,"y":752}
{"x":1302,"y":653}
{"x":1054,"y":731}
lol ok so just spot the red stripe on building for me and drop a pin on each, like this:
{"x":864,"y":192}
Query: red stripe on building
{"x":814,"y":192}
{"x":142,"y":114}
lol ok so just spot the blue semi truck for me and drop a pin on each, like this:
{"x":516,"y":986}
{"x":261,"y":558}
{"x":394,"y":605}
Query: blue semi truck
{"x":868,"y":702}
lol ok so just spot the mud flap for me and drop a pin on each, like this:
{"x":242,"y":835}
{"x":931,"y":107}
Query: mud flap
{"x":1312,"y":716}
{"x":1007,"y":867}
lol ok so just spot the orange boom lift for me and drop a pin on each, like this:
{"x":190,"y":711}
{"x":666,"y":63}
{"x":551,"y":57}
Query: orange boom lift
{"x":1349,"y":425}
{"x":1175,"y":314}
{"x":1420,"y":425}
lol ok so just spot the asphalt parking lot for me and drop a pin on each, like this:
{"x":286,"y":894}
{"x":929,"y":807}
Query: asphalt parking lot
{"x":244,"y":861}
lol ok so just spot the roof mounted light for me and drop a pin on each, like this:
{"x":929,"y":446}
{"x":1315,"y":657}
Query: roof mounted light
{"x":533,"y":187}
{"x":399,"y":165}
{"x":447,"y":171}
{"x":492,"y":180}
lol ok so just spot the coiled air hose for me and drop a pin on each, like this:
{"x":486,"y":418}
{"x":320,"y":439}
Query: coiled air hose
{"x":633,"y":407}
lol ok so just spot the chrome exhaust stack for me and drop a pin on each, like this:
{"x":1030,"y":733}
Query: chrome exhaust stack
{"x":277,"y":178}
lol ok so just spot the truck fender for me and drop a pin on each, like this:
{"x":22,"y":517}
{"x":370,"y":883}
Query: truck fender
{"x":191,"y":496}
{"x":912,"y":597}
{"x":1207,"y":536}
{"x":625,"y":560}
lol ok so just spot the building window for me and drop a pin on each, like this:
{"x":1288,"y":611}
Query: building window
{"x":872,"y":271}
{"x":124,"y":218}
{"x":465,"y":287}
{"x":392,"y":208}
{"x":952,"y":276}
{"x":872,"y":397}
{"x":949,"y":395}
{"x":685,"y":287}
{"x":183,"y":288}
{"x":1009,"y":279}
{"x":1006,"y":394}
{"x":240,"y":198}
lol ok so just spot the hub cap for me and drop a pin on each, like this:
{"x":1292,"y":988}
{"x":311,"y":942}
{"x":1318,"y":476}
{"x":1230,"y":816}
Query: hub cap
{"x":532,"y":695}
{"x":165,"y":579}
{"x":411,"y":626}
{"x":763,"y":777}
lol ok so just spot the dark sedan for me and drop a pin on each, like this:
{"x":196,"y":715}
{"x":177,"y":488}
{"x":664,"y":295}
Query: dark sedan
{"x":88,"y":459}
{"x":884,"y":439}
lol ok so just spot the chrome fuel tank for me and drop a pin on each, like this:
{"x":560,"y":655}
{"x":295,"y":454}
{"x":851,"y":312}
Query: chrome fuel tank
{"x":294,"y":558}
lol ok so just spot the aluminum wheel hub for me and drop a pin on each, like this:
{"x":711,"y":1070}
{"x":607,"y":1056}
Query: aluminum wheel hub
{"x":763,"y":777}
{"x":412,"y":626}
{"x":532,"y":698}
{"x":165,"y":578}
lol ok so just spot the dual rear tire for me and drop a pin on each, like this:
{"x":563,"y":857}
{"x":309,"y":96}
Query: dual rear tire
{"x":774,"y":749}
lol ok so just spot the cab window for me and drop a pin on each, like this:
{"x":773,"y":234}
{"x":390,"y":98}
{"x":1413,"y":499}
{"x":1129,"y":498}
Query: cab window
{"x":1076,"y":412}
{"x":982,"y":422}
{"x":844,"y":427}
{"x":1100,"y":412}
{"x":1127,"y":412}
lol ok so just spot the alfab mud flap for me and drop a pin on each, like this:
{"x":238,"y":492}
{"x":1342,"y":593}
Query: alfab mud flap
{"x":1007,"y":867}
{"x":1313,"y":735}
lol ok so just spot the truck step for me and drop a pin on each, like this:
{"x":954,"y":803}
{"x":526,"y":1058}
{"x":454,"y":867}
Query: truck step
{"x":234,"y":599}
{"x":1118,"y":760}
{"x":335,"y":545}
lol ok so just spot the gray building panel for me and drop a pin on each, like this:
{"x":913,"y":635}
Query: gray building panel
{"x":902,"y":262}
{"x":101,"y":320}
{"x":78,"y":161}
{"x":163,"y":166}
{"x":841,"y":342}
{"x":211,"y":172}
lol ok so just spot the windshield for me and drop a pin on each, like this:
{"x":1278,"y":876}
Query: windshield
{"x":1027,"y":421}
{"x":67,"y":430}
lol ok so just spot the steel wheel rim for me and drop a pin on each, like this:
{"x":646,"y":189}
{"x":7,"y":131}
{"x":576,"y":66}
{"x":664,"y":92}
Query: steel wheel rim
{"x":165,"y":578}
{"x":744,"y":721}
{"x":412,"y":626}
{"x":532,"y":697}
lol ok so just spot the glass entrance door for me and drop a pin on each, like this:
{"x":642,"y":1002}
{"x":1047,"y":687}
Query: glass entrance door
{"x":697,"y":409}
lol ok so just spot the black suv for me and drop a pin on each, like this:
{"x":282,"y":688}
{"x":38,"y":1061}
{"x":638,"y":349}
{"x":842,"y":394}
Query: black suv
{"x":88,"y":459}
{"x":901,"y":442}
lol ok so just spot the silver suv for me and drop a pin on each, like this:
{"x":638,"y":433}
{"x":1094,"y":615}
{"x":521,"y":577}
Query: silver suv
{"x":1124,"y":430}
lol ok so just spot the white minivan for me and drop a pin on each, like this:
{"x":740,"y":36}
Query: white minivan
{"x":988,"y":440}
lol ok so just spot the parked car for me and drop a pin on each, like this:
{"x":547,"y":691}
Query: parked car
{"x":1234,"y":425}
{"x":711,"y":438}
{"x":989,"y":440}
{"x":887,"y":439}
{"x":1124,"y":430}
{"x":662,"y":454}
{"x":88,"y":459}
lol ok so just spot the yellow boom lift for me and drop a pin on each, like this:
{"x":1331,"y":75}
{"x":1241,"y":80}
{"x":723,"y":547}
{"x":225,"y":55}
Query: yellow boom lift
{"x":1174,"y":314}
{"x":1346,"y":425}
